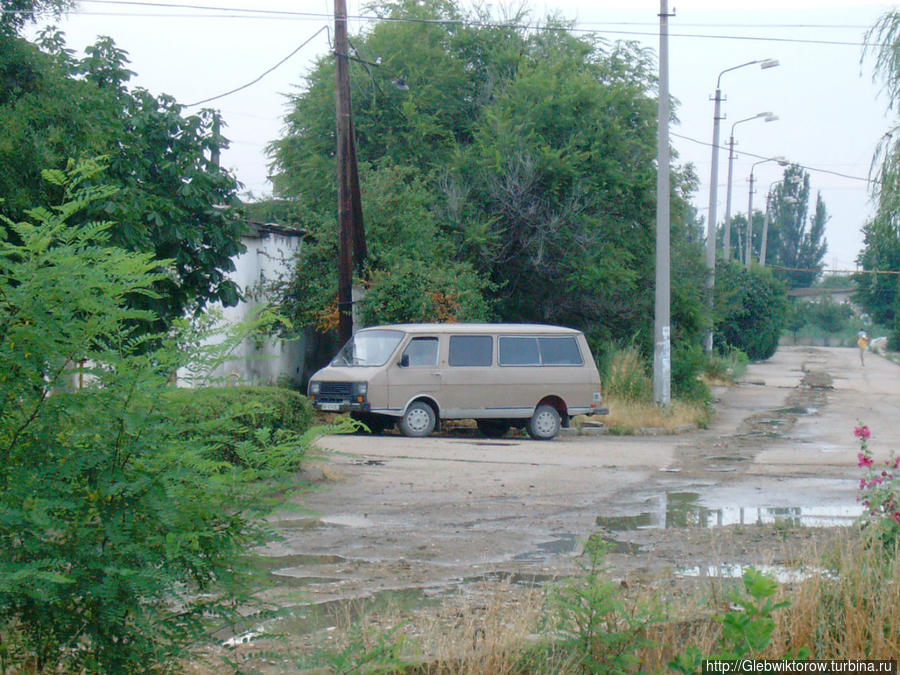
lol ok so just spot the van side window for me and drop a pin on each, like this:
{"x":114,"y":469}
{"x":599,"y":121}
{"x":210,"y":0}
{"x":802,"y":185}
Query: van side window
{"x":519,"y":351}
{"x":422,"y":351}
{"x":471,"y":350}
{"x":560,"y":351}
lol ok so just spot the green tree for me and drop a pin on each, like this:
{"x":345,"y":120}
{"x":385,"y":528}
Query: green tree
{"x":796,"y":238}
{"x":877,"y":287}
{"x":123,"y":535}
{"x":533,"y":152}
{"x":751,"y":309}
{"x":172,"y":200}
{"x":14,"y":14}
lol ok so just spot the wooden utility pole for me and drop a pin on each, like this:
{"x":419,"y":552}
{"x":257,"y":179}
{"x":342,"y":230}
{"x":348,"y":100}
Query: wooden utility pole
{"x":352,"y":234}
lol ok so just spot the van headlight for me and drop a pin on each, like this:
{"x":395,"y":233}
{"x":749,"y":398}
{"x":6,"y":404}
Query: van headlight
{"x":361,"y":388}
{"x":314,"y":388}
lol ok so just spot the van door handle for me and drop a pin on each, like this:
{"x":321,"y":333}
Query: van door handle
{"x":436,"y":374}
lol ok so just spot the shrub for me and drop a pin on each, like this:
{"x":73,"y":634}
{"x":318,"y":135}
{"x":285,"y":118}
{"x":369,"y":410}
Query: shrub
{"x":122,"y":536}
{"x":751,"y":308}
{"x":729,"y":364}
{"x":688,"y":364}
{"x":233,"y":415}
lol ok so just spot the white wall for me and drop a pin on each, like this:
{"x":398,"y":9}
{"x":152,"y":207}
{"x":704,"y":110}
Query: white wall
{"x":270,"y":254}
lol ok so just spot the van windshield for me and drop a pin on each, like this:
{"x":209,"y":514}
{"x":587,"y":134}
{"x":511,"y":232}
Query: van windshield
{"x":368,"y":348}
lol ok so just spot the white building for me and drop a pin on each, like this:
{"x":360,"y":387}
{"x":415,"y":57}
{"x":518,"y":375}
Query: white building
{"x":270,"y":254}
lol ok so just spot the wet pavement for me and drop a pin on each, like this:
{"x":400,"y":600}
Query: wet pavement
{"x":415,"y":518}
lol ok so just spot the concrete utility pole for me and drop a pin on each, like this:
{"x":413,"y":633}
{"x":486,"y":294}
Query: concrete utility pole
{"x":768,"y":117}
{"x":714,"y":187}
{"x":662,"y":351}
{"x":352,"y":234}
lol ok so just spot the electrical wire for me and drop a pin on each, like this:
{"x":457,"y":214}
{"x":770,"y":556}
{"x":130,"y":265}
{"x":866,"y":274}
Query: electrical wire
{"x":249,"y":84}
{"x":755,"y":156}
{"x":316,"y":15}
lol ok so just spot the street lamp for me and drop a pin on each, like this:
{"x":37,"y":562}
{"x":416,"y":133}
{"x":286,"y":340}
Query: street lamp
{"x":767,"y":117}
{"x":747,"y":251}
{"x":714,"y":181}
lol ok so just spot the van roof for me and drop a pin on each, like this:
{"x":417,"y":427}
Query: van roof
{"x":469,"y":328}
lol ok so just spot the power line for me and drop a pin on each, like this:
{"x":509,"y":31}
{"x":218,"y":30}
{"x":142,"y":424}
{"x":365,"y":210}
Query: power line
{"x":486,"y":24}
{"x":244,"y":86}
{"x":755,"y":156}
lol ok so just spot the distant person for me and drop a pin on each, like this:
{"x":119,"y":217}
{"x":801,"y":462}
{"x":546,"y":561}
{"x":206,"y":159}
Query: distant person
{"x":862,"y":340}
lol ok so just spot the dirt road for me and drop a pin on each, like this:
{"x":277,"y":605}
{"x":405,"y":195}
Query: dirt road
{"x":398,"y":513}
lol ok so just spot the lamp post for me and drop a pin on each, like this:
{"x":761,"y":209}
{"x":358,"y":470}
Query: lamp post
{"x":714,"y":181}
{"x":726,"y":239}
{"x":747,"y":251}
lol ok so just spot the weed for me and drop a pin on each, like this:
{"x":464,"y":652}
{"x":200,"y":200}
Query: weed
{"x":747,"y":629}
{"x":591,"y":622}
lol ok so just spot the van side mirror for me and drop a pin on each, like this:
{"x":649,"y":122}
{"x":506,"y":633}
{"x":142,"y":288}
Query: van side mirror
{"x":404,"y":361}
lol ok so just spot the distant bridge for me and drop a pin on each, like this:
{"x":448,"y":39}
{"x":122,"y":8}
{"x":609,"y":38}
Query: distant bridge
{"x":838,"y":295}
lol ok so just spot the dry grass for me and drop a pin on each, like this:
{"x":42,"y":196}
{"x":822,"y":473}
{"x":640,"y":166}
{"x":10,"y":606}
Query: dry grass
{"x":490,"y":635}
{"x":851,"y":609}
{"x":629,"y":416}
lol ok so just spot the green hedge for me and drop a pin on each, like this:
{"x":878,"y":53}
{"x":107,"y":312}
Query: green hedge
{"x":233,"y":417}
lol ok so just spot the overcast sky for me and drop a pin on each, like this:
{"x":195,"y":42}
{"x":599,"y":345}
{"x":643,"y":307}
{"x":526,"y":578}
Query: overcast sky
{"x":831,"y":112}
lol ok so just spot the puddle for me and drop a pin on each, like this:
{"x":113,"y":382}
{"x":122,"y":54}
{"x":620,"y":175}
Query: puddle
{"x":347,"y":520}
{"x":312,"y":617}
{"x":298,"y":524}
{"x":781,"y":573}
{"x":623,"y":523}
{"x":565,"y":543}
{"x":513,"y":578}
{"x":289,"y":577}
{"x":684,"y":510}
{"x":275,"y":562}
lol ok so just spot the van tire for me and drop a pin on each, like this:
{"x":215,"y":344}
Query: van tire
{"x":493,"y":428}
{"x":418,"y":421}
{"x":544,"y":424}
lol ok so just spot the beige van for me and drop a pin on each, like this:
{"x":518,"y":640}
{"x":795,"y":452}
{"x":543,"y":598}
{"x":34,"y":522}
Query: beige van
{"x":500,"y":375}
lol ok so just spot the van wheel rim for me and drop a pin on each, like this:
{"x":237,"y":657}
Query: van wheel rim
{"x":545,"y":424}
{"x":418,"y":420}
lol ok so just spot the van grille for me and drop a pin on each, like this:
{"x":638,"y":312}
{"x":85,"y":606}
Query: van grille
{"x":336,"y":388}
{"x":335,"y":392}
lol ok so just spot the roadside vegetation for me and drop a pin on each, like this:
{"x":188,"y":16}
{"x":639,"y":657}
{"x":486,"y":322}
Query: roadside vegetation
{"x":128,"y":510}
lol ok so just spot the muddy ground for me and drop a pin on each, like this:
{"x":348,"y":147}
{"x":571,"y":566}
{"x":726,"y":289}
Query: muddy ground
{"x":419,"y":520}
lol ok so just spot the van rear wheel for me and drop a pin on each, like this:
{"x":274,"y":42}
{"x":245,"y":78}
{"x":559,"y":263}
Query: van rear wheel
{"x":418,"y":421}
{"x":492,"y":428}
{"x":544,"y":424}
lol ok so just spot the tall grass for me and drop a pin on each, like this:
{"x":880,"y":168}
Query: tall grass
{"x":849,"y":609}
{"x":626,"y":378}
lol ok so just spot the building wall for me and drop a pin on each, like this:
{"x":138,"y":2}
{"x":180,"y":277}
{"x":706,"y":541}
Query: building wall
{"x":269,"y":255}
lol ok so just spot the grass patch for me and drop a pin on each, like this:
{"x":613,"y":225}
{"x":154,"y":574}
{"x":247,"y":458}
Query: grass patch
{"x":628,"y":417}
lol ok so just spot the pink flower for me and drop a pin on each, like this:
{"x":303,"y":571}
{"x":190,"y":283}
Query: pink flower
{"x":896,"y":516}
{"x":864,"y":460}
{"x":862,"y":432}
{"x":897,"y":462}
{"x":862,"y":483}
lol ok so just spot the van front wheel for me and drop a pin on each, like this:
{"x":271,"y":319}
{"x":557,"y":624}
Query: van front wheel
{"x":544,"y":424}
{"x":418,"y":421}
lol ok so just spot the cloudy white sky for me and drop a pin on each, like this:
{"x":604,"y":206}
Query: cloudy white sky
{"x":831,"y":112}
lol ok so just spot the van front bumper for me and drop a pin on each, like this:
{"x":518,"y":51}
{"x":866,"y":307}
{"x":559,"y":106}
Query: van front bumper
{"x":342,"y":406}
